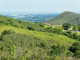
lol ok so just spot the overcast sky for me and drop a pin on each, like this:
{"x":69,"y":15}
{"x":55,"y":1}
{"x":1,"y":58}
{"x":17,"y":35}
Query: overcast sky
{"x":39,"y":6}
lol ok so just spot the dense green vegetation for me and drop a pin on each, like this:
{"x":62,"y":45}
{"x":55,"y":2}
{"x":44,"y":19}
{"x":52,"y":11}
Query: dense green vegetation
{"x":75,"y":48}
{"x":20,"y":40}
{"x":65,"y":17}
{"x":30,"y":46}
{"x":33,"y":44}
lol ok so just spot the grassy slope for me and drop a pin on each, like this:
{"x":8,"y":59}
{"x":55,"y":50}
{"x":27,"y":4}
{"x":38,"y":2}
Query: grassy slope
{"x":62,"y":40}
{"x":65,"y":17}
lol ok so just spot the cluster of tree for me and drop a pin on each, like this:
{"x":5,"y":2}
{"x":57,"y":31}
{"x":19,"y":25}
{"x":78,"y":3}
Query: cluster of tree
{"x":66,"y":26}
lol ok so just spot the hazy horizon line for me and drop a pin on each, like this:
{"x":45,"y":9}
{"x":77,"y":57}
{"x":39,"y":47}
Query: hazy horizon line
{"x":18,"y":13}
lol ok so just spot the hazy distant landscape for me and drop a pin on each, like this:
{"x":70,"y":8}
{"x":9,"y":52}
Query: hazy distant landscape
{"x":33,"y":17}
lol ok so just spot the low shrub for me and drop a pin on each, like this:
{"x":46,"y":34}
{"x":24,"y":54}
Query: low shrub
{"x":49,"y":29}
{"x":32,"y":44}
{"x":78,"y":37}
{"x":11,"y":22}
{"x":75,"y":36}
{"x":1,"y":38}
{"x":38,"y":45}
{"x":57,"y":49}
{"x":30,"y":28}
{"x":44,"y":44}
{"x":75,"y":48}
{"x":58,"y":30}
{"x":69,"y":32}
{"x":16,"y":26}
{"x":69,"y":53}
{"x":20,"y":21}
{"x":21,"y":26}
{"x":5,"y":32}
{"x":41,"y":24}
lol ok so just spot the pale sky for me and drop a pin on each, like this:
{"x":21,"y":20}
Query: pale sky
{"x":39,"y":6}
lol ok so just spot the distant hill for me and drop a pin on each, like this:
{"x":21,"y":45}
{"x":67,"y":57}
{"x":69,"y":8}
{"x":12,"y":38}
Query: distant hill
{"x":65,"y":17}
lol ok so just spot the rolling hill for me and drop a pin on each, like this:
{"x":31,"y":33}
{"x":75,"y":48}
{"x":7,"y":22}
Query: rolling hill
{"x":65,"y":17}
{"x":20,"y":43}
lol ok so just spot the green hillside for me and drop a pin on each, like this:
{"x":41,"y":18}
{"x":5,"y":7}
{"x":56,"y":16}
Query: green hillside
{"x":30,"y":45}
{"x":42,"y":35}
{"x":65,"y":17}
{"x":18,"y":23}
{"x":20,"y":40}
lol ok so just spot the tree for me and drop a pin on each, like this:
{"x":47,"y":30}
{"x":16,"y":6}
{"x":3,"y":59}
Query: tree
{"x":66,"y":26}
{"x":75,"y":27}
